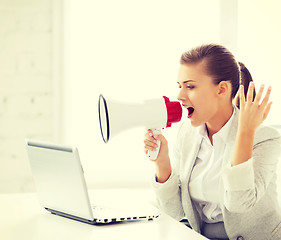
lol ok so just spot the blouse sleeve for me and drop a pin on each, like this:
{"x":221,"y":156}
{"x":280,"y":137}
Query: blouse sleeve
{"x":245,"y":184}
{"x":168,"y":196}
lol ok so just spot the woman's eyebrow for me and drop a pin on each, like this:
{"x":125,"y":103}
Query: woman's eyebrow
{"x":187,"y":81}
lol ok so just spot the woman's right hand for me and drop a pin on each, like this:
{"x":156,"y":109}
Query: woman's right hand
{"x":162,"y":162}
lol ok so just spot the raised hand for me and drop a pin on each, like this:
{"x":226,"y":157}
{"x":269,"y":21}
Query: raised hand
{"x":253,"y":112}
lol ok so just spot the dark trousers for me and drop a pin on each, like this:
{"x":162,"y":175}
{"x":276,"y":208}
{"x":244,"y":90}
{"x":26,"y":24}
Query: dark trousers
{"x":212,"y":231}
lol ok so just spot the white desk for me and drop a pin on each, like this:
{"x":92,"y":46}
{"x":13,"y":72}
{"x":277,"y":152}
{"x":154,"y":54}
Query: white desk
{"x":21,"y":217}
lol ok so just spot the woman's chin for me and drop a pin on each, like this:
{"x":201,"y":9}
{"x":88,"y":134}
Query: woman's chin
{"x":195,"y":123}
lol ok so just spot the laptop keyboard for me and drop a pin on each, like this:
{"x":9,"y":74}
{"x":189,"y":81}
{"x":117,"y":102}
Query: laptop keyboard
{"x":107,"y":212}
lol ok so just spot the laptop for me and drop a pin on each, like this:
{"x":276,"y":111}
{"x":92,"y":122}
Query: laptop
{"x":62,"y":189}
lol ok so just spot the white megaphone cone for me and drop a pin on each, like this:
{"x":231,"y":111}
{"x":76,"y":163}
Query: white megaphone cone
{"x":154,"y":114}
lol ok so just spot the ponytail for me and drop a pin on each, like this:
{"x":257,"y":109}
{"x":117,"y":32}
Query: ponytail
{"x":245,"y":79}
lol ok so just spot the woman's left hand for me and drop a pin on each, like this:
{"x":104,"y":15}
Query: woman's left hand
{"x":253,"y":112}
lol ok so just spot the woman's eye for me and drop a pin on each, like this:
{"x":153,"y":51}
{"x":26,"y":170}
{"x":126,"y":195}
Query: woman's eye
{"x":189,"y":87}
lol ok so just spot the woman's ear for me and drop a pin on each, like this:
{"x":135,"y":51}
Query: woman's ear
{"x":224,"y":88}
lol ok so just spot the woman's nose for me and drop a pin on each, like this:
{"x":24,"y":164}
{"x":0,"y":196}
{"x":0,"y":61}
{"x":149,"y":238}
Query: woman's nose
{"x":181,"y":95}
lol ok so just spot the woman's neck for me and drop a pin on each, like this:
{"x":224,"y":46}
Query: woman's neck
{"x":220,"y":119}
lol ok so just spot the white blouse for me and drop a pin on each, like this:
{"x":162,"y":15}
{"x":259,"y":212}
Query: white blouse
{"x":206,"y":173}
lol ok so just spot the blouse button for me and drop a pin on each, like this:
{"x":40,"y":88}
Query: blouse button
{"x":240,"y":238}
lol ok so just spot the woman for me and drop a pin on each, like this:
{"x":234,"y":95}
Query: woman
{"x":222,"y":174}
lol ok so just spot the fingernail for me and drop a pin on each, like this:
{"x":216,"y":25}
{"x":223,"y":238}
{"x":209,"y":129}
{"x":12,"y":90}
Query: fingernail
{"x":269,"y":88}
{"x":150,"y":134}
{"x":155,"y":141}
{"x":262,"y":86}
{"x":156,"y":136}
{"x":155,"y":145}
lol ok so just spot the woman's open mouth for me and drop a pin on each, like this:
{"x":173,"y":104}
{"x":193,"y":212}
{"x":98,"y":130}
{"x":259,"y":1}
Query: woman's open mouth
{"x":190,"y":111}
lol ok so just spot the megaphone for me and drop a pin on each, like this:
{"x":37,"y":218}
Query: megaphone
{"x":154,"y":114}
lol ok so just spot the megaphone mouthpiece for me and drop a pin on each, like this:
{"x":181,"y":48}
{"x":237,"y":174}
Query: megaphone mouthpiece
{"x":174,"y":111}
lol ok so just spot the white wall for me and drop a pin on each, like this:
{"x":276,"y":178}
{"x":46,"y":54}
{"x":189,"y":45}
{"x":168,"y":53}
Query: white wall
{"x":259,"y":38}
{"x":129,"y":50}
{"x":26,"y":87}
{"x":126,"y":50}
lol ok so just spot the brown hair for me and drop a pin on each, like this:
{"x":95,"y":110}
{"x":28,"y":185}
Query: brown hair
{"x":221,"y":65}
